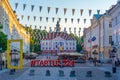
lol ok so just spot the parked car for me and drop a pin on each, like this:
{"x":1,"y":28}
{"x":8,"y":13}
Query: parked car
{"x":80,"y":61}
{"x":32,"y":57}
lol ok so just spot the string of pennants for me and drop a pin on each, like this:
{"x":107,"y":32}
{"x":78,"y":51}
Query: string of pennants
{"x":53,"y":19}
{"x":57,"y":9}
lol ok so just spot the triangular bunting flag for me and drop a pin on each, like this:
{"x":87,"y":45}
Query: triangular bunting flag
{"x":32,"y":7}
{"x":45,"y":27}
{"x":90,"y":20}
{"x":59,"y":19}
{"x":53,"y":19}
{"x":34,"y":18}
{"x":22,"y":17}
{"x":65,"y":9}
{"x":35,"y":27}
{"x":79,"y":29}
{"x":46,"y":19}
{"x":40,"y":8}
{"x":90,"y":11}
{"x":28,"y":18}
{"x":74,"y":30}
{"x":98,"y":11}
{"x":78,"y":20}
{"x":81,"y":11}
{"x":73,"y":11}
{"x":65,"y":20}
{"x":24,"y":6}
{"x":48,"y":10}
{"x":84,"y":21}
{"x":16,"y":5}
{"x":40,"y":18}
{"x":70,"y":30}
{"x":40,"y":27}
{"x":71,"y":20}
{"x":56,"y":10}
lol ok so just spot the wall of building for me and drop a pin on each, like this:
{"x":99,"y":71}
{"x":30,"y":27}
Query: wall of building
{"x":11,"y":26}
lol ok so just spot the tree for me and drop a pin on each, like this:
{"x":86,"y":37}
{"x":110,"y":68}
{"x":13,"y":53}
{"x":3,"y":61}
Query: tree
{"x":79,"y":41}
{"x":3,"y":41}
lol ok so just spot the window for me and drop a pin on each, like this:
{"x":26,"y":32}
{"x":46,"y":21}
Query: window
{"x":73,"y":44}
{"x":110,"y":39}
{"x":73,"y":48}
{"x":66,"y":48}
{"x":116,"y":20}
{"x":110,"y":24}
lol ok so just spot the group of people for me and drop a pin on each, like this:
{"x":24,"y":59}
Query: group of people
{"x":3,"y":61}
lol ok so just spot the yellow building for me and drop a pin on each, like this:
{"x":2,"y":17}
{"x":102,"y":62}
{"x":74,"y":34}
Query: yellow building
{"x":12,"y":27}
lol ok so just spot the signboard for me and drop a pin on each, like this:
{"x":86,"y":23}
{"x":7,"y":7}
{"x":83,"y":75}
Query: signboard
{"x":8,"y":54}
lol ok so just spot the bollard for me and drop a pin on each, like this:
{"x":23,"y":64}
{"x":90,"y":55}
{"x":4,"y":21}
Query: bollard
{"x":107,"y":74}
{"x":47,"y":73}
{"x":11,"y":72}
{"x":89,"y":74}
{"x":61,"y":73}
{"x":32,"y":72}
{"x":72,"y":74}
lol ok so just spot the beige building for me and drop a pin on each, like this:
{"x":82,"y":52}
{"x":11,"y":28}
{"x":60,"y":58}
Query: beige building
{"x":12,"y":27}
{"x":98,"y":36}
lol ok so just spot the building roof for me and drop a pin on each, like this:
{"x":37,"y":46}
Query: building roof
{"x":53,"y":35}
{"x":97,"y":16}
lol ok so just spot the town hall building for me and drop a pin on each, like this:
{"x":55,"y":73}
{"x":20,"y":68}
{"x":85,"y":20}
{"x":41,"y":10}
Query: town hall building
{"x":57,"y":42}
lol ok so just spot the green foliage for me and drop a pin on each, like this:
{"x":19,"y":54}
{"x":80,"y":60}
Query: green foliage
{"x":36,"y":36}
{"x":3,"y":41}
{"x":79,"y":41}
{"x":1,"y":26}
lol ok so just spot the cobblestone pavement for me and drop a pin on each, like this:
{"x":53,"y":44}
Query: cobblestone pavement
{"x":80,"y":70}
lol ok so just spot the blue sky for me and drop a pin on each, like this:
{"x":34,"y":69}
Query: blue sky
{"x":94,"y":5}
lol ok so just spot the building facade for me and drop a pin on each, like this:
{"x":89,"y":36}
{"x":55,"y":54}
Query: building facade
{"x":56,"y":42}
{"x":115,"y":19}
{"x":12,"y":28}
{"x":98,"y":37}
